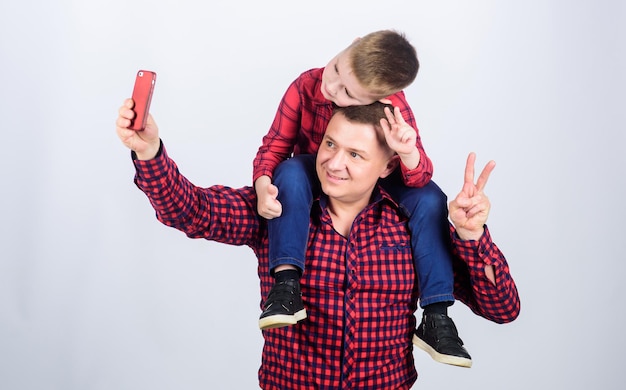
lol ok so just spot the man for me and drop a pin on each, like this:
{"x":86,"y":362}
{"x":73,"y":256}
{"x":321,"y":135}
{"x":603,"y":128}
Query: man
{"x":360,"y":287}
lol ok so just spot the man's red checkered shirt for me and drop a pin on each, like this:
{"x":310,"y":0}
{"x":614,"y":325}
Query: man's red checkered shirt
{"x":301,"y":121}
{"x":359,"y":291}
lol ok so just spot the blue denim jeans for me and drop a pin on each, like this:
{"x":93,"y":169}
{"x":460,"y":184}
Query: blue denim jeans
{"x":298,"y":185}
{"x":426,"y":208}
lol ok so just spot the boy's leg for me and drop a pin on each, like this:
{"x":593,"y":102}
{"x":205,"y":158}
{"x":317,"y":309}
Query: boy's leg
{"x":288,"y":237}
{"x":427,"y":210}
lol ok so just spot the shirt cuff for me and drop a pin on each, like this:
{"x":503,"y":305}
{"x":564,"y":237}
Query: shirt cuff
{"x":133,"y":155}
{"x":150,"y":171}
{"x":414,"y":177}
{"x":406,"y":172}
{"x":262,"y":172}
{"x":478,"y":252}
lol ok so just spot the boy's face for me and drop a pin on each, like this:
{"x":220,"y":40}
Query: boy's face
{"x":340,"y":86}
{"x":350,"y":160}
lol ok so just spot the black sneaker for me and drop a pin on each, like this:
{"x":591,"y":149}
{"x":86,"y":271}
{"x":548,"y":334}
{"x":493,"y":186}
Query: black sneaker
{"x":283,"y":306}
{"x":438,"y":336}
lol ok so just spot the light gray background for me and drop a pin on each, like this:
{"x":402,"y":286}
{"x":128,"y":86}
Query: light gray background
{"x":96,"y":294}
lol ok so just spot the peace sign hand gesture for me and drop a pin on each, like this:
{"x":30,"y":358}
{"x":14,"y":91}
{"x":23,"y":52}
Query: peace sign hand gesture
{"x":401,"y":137}
{"x":470,"y":209}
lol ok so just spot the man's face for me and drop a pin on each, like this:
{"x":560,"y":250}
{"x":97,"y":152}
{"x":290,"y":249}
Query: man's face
{"x":350,"y":160}
{"x":340,"y":86}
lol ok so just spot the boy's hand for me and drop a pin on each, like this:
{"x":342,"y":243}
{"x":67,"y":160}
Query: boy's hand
{"x":401,"y":137}
{"x":144,"y":143}
{"x":470,"y":209}
{"x":268,"y":206}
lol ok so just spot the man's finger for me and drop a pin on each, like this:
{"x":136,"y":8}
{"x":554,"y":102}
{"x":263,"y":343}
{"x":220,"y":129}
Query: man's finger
{"x":484,"y":175}
{"x":462,"y":201}
{"x":476,"y":209}
{"x":469,"y":168}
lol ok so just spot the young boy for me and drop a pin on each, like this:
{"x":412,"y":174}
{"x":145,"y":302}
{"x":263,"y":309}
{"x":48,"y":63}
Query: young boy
{"x":375,"y":67}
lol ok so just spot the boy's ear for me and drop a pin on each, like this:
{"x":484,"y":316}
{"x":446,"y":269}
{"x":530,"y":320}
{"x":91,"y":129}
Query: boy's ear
{"x":355,"y":40}
{"x":392,"y":164}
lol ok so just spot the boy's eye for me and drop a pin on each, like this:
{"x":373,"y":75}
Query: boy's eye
{"x":354,"y":154}
{"x":329,"y":144}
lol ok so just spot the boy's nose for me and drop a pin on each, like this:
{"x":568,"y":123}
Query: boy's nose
{"x":331,"y":87}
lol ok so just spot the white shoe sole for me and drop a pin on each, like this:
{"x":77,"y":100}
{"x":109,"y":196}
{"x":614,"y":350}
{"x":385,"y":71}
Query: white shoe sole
{"x":446,"y":359}
{"x":281,"y":320}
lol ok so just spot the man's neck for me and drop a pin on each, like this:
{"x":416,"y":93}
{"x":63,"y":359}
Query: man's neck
{"x":343,"y":215}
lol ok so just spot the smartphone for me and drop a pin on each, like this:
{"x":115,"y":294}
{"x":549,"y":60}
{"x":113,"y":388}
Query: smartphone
{"x":142,"y":95}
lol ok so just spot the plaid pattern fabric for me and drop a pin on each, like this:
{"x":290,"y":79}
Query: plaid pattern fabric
{"x":300,"y":123}
{"x":360,"y":291}
{"x":499,"y":303}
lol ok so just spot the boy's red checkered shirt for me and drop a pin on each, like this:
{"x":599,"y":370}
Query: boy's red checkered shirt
{"x":301,"y":121}
{"x":359,"y":291}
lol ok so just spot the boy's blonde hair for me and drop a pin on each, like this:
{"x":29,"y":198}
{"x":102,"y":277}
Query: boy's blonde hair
{"x":384,"y":62}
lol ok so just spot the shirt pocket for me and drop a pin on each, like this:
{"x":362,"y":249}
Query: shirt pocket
{"x":388,"y":267}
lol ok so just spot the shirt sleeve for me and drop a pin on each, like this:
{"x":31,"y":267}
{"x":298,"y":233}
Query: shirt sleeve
{"x":421,"y":175}
{"x":216,"y":213}
{"x":278,"y":144}
{"x":498,"y":303}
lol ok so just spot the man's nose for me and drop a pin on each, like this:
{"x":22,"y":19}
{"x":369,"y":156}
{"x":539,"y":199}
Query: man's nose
{"x":337,"y":161}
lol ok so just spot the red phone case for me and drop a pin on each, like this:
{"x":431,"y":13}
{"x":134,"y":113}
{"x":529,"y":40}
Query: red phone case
{"x":142,"y":95}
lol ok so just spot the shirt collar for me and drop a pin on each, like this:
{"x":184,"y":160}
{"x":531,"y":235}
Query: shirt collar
{"x":379,"y":195}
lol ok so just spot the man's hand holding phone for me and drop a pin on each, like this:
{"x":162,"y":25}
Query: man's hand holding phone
{"x":144,"y":143}
{"x":135,"y":126}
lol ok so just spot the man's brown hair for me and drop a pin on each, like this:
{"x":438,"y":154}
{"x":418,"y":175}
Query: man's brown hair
{"x":370,"y":114}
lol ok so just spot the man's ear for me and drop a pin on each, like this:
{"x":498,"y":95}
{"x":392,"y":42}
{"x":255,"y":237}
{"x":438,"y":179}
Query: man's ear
{"x":392,"y":164}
